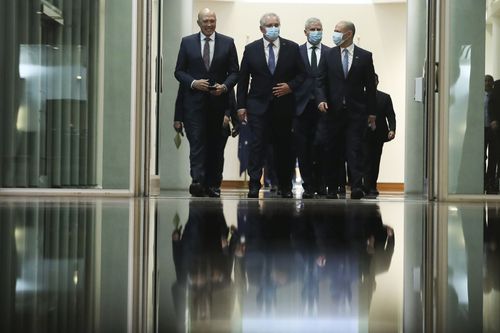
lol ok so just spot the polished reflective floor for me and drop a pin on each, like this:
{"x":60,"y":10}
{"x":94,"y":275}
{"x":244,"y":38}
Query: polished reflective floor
{"x":176,"y":264}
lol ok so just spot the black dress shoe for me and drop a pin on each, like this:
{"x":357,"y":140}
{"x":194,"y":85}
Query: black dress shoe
{"x":372,"y":193}
{"x":357,"y":193}
{"x":213,"y":192}
{"x":253,"y":192}
{"x":196,"y":189}
{"x":321,"y":191}
{"x":287,"y":194}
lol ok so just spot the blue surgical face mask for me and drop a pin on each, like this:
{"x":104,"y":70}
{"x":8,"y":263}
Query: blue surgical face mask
{"x":337,"y":38}
{"x":272,"y":33}
{"x":314,"y":37}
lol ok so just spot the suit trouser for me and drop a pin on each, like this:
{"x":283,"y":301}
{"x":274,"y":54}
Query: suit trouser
{"x":274,"y":126}
{"x":207,"y":141}
{"x":491,"y":150}
{"x":344,"y":129}
{"x":307,"y":147}
{"x":373,"y":152}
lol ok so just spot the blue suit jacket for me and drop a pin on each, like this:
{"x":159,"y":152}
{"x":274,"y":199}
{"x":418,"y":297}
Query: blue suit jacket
{"x":289,"y":69}
{"x":308,"y":89}
{"x":190,"y":66}
{"x":358,"y":87}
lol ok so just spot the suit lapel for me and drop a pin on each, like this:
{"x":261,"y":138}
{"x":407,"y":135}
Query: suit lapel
{"x":338,"y":61}
{"x":197,"y":43}
{"x":217,"y":49}
{"x":303,"y":53}
{"x":355,"y":60}
{"x":323,"y":52}
{"x":262,"y":53}
{"x":283,"y":45}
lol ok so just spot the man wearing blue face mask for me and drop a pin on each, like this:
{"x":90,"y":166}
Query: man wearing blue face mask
{"x":307,"y":146}
{"x":346,"y":94}
{"x":267,"y":102}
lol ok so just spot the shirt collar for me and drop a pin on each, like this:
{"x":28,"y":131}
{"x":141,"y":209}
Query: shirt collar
{"x":309,"y":45}
{"x":350,"y":49}
{"x":202,"y":36}
{"x":276,"y":42}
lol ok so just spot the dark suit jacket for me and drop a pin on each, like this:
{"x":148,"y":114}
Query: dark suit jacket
{"x":308,"y":89}
{"x":386,"y":118}
{"x":289,"y":69}
{"x":358,"y":88}
{"x":190,"y":66}
{"x":229,"y":111}
{"x":494,"y":102}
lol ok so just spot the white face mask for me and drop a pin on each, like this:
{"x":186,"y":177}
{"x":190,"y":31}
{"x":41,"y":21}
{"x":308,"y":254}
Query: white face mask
{"x":337,"y":38}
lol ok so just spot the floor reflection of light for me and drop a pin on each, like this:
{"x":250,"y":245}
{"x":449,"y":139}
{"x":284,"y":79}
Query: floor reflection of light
{"x":339,"y":324}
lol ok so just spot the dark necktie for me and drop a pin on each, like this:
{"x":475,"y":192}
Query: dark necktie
{"x":206,"y":53}
{"x":272,"y":60}
{"x":345,"y":62}
{"x":314,"y":59}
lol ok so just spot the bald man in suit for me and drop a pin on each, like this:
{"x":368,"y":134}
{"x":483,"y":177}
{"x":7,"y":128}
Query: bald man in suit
{"x":207,"y":70}
{"x":346,"y":94}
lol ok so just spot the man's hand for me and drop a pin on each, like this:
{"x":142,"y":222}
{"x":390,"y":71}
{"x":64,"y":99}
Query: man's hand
{"x":281,"y":89}
{"x":178,"y":127}
{"x":220,"y":89}
{"x":391,"y":135}
{"x":242,"y":115}
{"x":494,"y":124}
{"x":371,"y":122}
{"x":323,"y":107}
{"x":225,"y":121}
{"x":201,"y":85}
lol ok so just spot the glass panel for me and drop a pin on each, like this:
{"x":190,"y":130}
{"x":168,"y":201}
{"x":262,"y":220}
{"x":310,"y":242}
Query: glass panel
{"x":466,"y":57}
{"x":65,"y":266}
{"x":65,"y":70}
{"x":492,"y":96}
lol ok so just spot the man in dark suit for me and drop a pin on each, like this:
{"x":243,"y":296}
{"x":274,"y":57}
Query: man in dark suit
{"x":308,"y":149}
{"x":346,"y":93}
{"x":276,"y":69}
{"x":374,"y":140}
{"x":207,"y":69}
{"x":491,"y":133}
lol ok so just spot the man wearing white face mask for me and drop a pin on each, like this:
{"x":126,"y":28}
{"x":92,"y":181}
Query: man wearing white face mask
{"x":307,"y":146}
{"x":268,"y":102}
{"x":346,"y":94}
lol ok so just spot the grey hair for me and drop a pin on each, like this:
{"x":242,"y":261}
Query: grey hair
{"x":350,"y":26}
{"x":310,"y":21}
{"x":265,"y":16}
